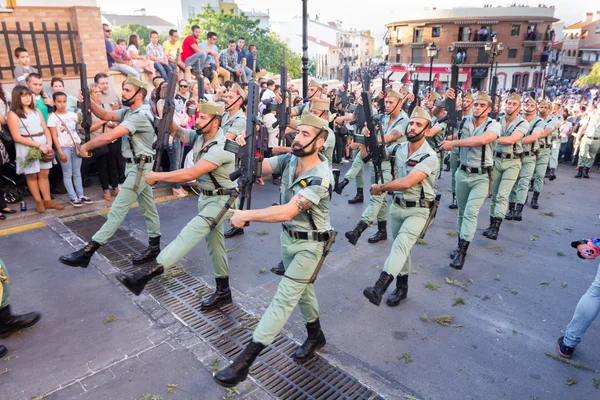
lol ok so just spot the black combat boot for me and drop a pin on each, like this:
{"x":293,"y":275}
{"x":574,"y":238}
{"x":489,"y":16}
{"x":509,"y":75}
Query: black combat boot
{"x":552,"y":174}
{"x":81,"y":258}
{"x":530,"y":186}
{"x":221,"y":296}
{"x":518,"y":213}
{"x":136,"y":282}
{"x":381,"y":233}
{"x":150,"y":253}
{"x":354,"y":234}
{"x":359,"y":198}
{"x":279,"y":269}
{"x":10,"y":323}
{"x":547,"y":175}
{"x":453,"y":205}
{"x":493,"y":234}
{"x":234,"y":232}
{"x":459,"y":258}
{"x":401,"y":291}
{"x":237,"y":371}
{"x":3,"y":351}
{"x":489,"y":228}
{"x":376,"y":292}
{"x":579,"y":173}
{"x":586,"y":172}
{"x":314,"y":341}
{"x":341,"y":185}
{"x":534,"y":200}
{"x":510,"y":215}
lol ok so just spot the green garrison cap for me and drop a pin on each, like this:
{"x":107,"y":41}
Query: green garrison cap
{"x":419,"y":112}
{"x":529,"y":100}
{"x":320,"y":105}
{"x":210,"y":108}
{"x":315,"y":83}
{"x":314,"y":121}
{"x":393,"y":93}
{"x":237,"y":89}
{"x":483,"y":96}
{"x":135,"y":82}
{"x":543,"y":102}
{"x":435,"y":96}
{"x":404,"y":89}
{"x":514,"y":96}
{"x":468,"y":96}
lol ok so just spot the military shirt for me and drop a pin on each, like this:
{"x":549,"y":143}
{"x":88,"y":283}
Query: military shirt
{"x":518,"y":124}
{"x":551,"y":121}
{"x":593,"y":128}
{"x":328,"y":147}
{"x":536,"y":124}
{"x":318,"y":195}
{"x":235,"y":123}
{"x":140,"y":124}
{"x":399,"y":124}
{"x":403,"y":165}
{"x":299,"y":110}
{"x":216,"y":154}
{"x":471,"y":156}
{"x":436,"y":140}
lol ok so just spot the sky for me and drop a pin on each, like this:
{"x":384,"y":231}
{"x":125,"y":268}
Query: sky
{"x":371,"y":14}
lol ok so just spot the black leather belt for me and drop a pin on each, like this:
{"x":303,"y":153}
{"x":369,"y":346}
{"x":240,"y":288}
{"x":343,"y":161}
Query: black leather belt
{"x":219,"y":192}
{"x":529,"y":153}
{"x":506,"y":156}
{"x":543,"y":146}
{"x":474,"y":170}
{"x":593,"y":138}
{"x":315,"y":236}
{"x":408,"y":204}
{"x":149,"y":160}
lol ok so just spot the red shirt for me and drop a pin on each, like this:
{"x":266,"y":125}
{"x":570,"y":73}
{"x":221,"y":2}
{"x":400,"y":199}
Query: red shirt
{"x":186,"y":47}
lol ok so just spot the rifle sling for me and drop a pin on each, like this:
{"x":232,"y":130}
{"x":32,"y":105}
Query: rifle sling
{"x":210,"y":174}
{"x":393,"y":162}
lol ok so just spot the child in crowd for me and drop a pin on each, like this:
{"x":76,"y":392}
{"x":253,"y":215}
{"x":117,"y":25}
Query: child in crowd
{"x":23,"y":68}
{"x":58,"y":85}
{"x":63,"y":127}
{"x":121,"y":52}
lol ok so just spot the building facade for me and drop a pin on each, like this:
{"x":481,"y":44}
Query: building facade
{"x":461,"y":35}
{"x":581,"y":46}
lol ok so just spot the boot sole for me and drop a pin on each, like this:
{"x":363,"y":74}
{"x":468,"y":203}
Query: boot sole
{"x":228,"y":385}
{"x":456,"y":267}
{"x":350,"y":239}
{"x":29,"y":325}
{"x":218,"y":304}
{"x":71,"y":264}
{"x":395,"y":303}
{"x":140,"y":262}
{"x":376,"y":241}
{"x":369,"y":295}
{"x":235,"y":234}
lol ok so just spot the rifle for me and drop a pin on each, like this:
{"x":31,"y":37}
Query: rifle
{"x":416,"y":94}
{"x":250,"y":166}
{"x":200,"y":83}
{"x":494,"y":114}
{"x":165,"y":124}
{"x":86,"y":112}
{"x":283,"y":109}
{"x":450,"y":104}
{"x":375,"y":142}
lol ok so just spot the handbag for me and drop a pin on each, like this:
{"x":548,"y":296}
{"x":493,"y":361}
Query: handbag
{"x":5,"y":136}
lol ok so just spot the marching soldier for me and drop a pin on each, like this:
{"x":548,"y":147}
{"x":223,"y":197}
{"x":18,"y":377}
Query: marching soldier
{"x":217,"y":193}
{"x":553,"y":162}
{"x":315,"y":91}
{"x":545,"y":143}
{"x":473,"y":175}
{"x":530,"y":145}
{"x":305,"y":242}
{"x":436,"y":134}
{"x":590,"y":142}
{"x":234,"y":119}
{"x":415,"y":166}
{"x":136,"y":126}
{"x":393,"y":126}
{"x":507,"y":162}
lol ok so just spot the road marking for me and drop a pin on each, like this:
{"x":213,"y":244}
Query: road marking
{"x":22,"y":228}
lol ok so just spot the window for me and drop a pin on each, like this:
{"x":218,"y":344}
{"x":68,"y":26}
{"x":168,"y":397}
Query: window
{"x":525,"y":81}
{"x":516,"y":81}
{"x":528,"y":54}
{"x":512,"y":53}
{"x":399,"y":35}
{"x":515,"y":30}
{"x":463,"y":34}
{"x":418,"y":35}
{"x":435,"y":31}
{"x":482,"y":57}
{"x":398,"y":54}
{"x":532,"y":33}
{"x":191,"y":12}
{"x":417,"y":56}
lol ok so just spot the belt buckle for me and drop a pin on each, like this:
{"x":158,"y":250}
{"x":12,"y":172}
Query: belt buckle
{"x":402,"y":203}
{"x":468,"y":169}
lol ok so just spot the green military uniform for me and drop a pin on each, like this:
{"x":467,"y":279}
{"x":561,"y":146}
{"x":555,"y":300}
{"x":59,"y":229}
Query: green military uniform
{"x":590,"y":143}
{"x":300,"y":257}
{"x":553,"y":162}
{"x":507,"y":165}
{"x":408,"y":222}
{"x":4,"y":285}
{"x":216,"y":188}
{"x":235,"y":123}
{"x":328,"y":147}
{"x":139,"y":123}
{"x":520,"y":189}
{"x":543,"y":159}
{"x":434,"y":142}
{"x":472,"y":180}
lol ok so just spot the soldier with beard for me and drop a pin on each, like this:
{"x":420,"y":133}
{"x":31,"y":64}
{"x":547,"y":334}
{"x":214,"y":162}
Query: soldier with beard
{"x":136,"y":126}
{"x":305,"y":241}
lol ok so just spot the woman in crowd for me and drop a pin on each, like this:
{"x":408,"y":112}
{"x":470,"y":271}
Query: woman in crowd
{"x":29,"y":131}
{"x":183,"y":94}
{"x":4,"y":157}
{"x":63,"y":127}
{"x":106,"y":161}
{"x":138,"y":60}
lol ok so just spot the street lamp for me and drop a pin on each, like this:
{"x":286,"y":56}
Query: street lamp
{"x":411,"y":69}
{"x":432,"y":51}
{"x":493,"y":49}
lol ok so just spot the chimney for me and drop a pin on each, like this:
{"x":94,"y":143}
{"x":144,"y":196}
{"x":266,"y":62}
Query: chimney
{"x":587,"y":16}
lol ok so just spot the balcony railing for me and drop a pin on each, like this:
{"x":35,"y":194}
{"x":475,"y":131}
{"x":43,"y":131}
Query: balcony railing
{"x":536,"y":36}
{"x":581,"y":61}
{"x":472,"y":37}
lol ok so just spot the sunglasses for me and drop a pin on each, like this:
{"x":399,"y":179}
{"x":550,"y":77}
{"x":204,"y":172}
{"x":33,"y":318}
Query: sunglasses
{"x":107,"y":30}
{"x":183,"y":87}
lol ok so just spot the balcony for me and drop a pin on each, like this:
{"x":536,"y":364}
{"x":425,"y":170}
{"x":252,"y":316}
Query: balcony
{"x":586,"y":63}
{"x":537,"y":37}
{"x":471,"y":40}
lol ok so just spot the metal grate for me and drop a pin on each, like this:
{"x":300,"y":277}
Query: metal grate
{"x":230,"y":328}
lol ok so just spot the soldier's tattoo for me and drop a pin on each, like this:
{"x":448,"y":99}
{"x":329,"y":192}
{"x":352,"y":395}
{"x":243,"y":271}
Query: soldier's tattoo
{"x":303,"y":204}
{"x":180,"y":134}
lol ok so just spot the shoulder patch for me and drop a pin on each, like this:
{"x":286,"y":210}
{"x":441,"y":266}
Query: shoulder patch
{"x":325,"y":182}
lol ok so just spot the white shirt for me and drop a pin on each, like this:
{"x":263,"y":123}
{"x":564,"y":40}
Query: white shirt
{"x":66,"y":128}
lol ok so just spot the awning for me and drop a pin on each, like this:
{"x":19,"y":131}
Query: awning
{"x":445,"y":78}
{"x":424,"y":76}
{"x":396,"y":76}
{"x":462,"y":77}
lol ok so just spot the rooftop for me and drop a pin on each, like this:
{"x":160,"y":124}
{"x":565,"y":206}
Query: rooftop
{"x":145,"y":20}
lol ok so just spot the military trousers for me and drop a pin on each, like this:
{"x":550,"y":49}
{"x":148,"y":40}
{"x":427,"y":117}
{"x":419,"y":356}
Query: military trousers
{"x":454,"y":162}
{"x":540,"y":169}
{"x":407,"y":225}
{"x":300,"y":259}
{"x":520,"y":189}
{"x":504,"y":176}
{"x":357,"y":170}
{"x":436,"y":178}
{"x":553,"y":162}
{"x":123,"y":202}
{"x":5,"y":287}
{"x":377,"y":206}
{"x":471,"y":191}
{"x":587,"y":151}
{"x":196,"y":230}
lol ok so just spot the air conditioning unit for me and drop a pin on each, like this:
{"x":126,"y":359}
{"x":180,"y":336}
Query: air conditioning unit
{"x":450,"y":48}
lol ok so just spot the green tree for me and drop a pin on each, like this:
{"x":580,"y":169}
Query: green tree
{"x":591,"y":79}
{"x":124,"y":31}
{"x":229,"y":26}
